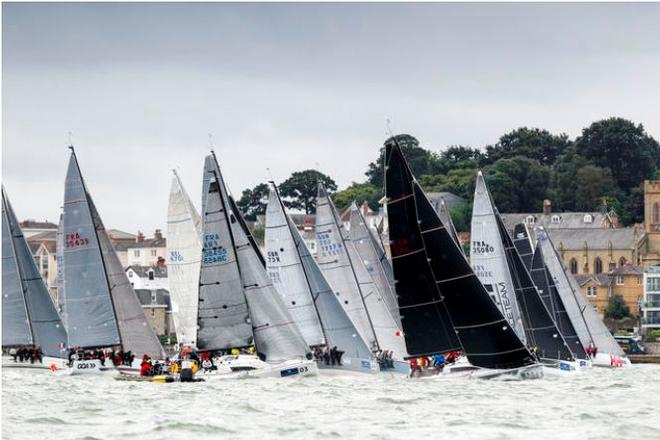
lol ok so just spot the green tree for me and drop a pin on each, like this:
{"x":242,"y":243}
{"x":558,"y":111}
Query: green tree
{"x":564,"y":184}
{"x":518,"y":184}
{"x":300,"y":189}
{"x":617,"y":308}
{"x":461,"y":216}
{"x":623,"y":147}
{"x":421,"y":161}
{"x":459,"y":181}
{"x":253,"y":201}
{"x":458,"y":156}
{"x":359,"y":192}
{"x":532,"y":143}
{"x":593,"y":185}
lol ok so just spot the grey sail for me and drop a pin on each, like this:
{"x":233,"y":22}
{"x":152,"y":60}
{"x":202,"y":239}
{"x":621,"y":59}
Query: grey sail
{"x":90,"y":316}
{"x":47,"y":329}
{"x":382,"y":257}
{"x":488,"y":258}
{"x":287,"y":275}
{"x":589,"y":327}
{"x":135,"y":332}
{"x":59,"y":280}
{"x":275,"y":334}
{"x":370,"y":256}
{"x":222,"y":318}
{"x":335,"y":265}
{"x":16,"y":328}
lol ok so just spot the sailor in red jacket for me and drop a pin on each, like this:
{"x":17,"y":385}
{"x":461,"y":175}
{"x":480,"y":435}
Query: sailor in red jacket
{"x":145,"y":366}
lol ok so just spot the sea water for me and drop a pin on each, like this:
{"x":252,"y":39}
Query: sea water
{"x":598,"y":404}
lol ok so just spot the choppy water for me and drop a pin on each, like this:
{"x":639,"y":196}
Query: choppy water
{"x":600,"y":404}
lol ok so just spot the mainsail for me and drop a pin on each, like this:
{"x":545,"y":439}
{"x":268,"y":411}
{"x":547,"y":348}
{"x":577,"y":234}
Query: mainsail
{"x":539,"y":323}
{"x":488,"y":257}
{"x":222,"y":317}
{"x":102,"y":308}
{"x":184,"y":246}
{"x":588,"y":325}
{"x":303,"y":287}
{"x":337,"y":268}
{"x":371,"y":255}
{"x":434,"y":281}
{"x":523,"y":244}
{"x":445,"y":218}
{"x":553,"y":302}
{"x":31,"y":317}
{"x":275,"y":334}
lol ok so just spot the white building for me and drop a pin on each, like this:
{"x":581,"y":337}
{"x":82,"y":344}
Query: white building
{"x":146,"y":251}
{"x":148,"y":277}
{"x":651,"y":302}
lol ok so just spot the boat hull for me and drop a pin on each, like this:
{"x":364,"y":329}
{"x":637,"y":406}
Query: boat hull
{"x":349,"y":366}
{"x":607,"y":360}
{"x":243,"y":366}
{"x":47,"y":363}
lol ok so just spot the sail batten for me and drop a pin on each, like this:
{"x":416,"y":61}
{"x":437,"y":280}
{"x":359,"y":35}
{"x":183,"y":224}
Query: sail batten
{"x":466,"y":317}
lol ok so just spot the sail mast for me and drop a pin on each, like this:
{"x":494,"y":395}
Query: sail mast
{"x":96,"y":233}
{"x":309,"y":285}
{"x":333,"y":210}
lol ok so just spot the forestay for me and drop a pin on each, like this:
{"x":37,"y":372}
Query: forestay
{"x":184,"y":246}
{"x":488,"y":258}
{"x":48,"y":332}
{"x":371,"y":255}
{"x":223,"y":319}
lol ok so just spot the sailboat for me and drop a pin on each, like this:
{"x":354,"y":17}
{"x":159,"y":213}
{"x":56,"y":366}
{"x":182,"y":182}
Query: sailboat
{"x":588,"y":325}
{"x":184,"y":247}
{"x":238,"y":305}
{"x":312,"y":304}
{"x":488,"y":258}
{"x":29,"y":317}
{"x":443,"y":305}
{"x":541,"y":277}
{"x":348,"y":276}
{"x":102,"y":309}
{"x":372,"y":256}
{"x":541,"y":331}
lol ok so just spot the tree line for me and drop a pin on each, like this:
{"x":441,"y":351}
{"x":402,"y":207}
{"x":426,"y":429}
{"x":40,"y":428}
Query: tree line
{"x":606,"y":163}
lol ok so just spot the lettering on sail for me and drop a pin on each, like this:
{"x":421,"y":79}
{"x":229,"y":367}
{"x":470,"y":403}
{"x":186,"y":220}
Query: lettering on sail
{"x":273,"y":256}
{"x":176,"y":257}
{"x":481,"y":271}
{"x":482,"y":248}
{"x":326,"y":245}
{"x":213,"y":252}
{"x":74,"y":240}
{"x":505,"y":302}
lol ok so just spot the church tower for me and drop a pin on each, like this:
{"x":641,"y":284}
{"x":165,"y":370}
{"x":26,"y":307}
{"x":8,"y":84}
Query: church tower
{"x":651,"y":253}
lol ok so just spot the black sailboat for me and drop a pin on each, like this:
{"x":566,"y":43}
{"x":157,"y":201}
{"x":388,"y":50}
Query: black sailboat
{"x":545,"y":285}
{"x":540,"y":328}
{"x":443,"y":304}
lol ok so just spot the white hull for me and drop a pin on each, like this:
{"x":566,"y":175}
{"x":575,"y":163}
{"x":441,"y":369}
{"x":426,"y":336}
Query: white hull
{"x":608,"y":360}
{"x":349,"y":366}
{"x":46,"y":364}
{"x":243,"y":366}
{"x":462,"y":368}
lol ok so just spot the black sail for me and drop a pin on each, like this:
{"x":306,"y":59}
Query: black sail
{"x":435,"y":284}
{"x":540,"y":327}
{"x":548,"y":291}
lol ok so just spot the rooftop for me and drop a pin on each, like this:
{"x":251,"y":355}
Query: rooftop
{"x":148,"y":243}
{"x":145,"y":297}
{"x":574,"y":239}
{"x":600,"y":279}
{"x":143,"y":271}
{"x":627,"y":269}
{"x":33,"y":224}
{"x":560,"y":220}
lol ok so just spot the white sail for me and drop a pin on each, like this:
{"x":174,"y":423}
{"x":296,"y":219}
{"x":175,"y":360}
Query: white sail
{"x":589,"y":327}
{"x":488,"y":258}
{"x":184,"y":247}
{"x":342,"y":265}
{"x":286,"y":273}
{"x":370,"y":255}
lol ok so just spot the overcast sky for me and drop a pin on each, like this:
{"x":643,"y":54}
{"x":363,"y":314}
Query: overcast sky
{"x":295,"y":86}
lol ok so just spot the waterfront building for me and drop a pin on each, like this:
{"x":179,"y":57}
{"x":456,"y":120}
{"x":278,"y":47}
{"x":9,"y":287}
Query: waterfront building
{"x":651,"y":302}
{"x":146,"y":251}
{"x":650,"y":243}
{"x":549,"y":220}
{"x":157,"y":309}
{"x":31,"y":227}
{"x":148,"y":277}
